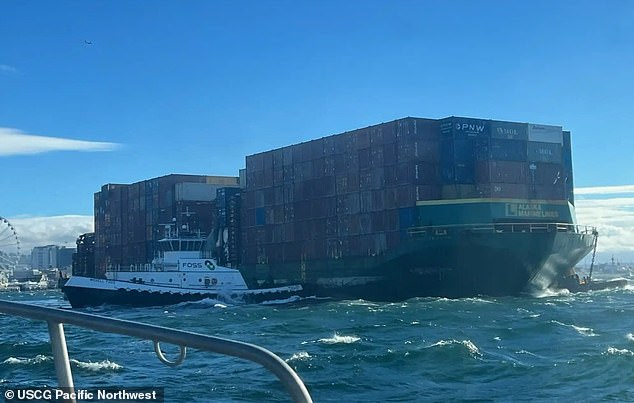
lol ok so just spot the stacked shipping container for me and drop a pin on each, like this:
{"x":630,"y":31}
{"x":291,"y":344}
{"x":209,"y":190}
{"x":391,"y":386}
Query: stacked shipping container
{"x":227,"y":227}
{"x":128,"y":217}
{"x":495,"y":159}
{"x":84,"y":258}
{"x":341,"y":195}
{"x":354,"y":194}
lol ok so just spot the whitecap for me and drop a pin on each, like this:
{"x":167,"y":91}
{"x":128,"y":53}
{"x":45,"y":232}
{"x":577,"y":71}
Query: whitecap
{"x":629,"y":336}
{"x":97,"y":366}
{"x":203,"y":302}
{"x":35,"y":360}
{"x":337,"y":339}
{"x":585,"y":331}
{"x":471,"y":347}
{"x":301,"y":356}
{"x":550,"y":292}
{"x":292,"y":298}
{"x":616,"y":351}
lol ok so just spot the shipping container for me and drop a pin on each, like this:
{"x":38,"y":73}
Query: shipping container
{"x":387,"y":134}
{"x":409,"y":129}
{"x":376,"y":156}
{"x":503,"y":190}
{"x":544,"y":173}
{"x":502,"y":150}
{"x":549,"y":192}
{"x":287,"y":156}
{"x":427,"y":192}
{"x":363,"y":138}
{"x":509,"y":130}
{"x":545,"y":133}
{"x":449,"y":192}
{"x":319,"y":167}
{"x":458,"y":127}
{"x":364,"y":158}
{"x":330,"y":146}
{"x":390,"y":154}
{"x":461,"y":150}
{"x":457,"y":173}
{"x":501,"y":172}
{"x":406,"y":196}
{"x":544,"y":152}
{"x":224,"y":194}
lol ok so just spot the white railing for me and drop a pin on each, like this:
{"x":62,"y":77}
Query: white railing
{"x":501,"y":228}
{"x":57,"y":317}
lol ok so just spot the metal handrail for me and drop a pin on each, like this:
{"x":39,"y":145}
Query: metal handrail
{"x":56,"y":317}
{"x":506,"y":227}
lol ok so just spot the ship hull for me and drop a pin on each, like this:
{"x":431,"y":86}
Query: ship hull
{"x":85,"y":292}
{"x":461,"y":261}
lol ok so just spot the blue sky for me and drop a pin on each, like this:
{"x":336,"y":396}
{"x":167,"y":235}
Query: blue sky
{"x":140,"y":89}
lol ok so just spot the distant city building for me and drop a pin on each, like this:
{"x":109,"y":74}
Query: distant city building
{"x":51,"y":256}
{"x":128,"y":217}
{"x":84,"y":259}
{"x":44,"y":257}
{"x":65,"y":257}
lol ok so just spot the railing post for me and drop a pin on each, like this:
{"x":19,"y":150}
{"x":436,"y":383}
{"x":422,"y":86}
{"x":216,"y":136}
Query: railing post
{"x":60,"y":356}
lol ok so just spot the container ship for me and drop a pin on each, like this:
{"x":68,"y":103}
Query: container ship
{"x":415,"y":207}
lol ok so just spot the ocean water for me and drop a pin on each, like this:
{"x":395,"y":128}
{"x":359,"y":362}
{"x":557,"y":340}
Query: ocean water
{"x":557,"y":347}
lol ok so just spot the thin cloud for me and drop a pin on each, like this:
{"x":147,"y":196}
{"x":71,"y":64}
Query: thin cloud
{"x":15,"y":142}
{"x":5,"y":68}
{"x":602,"y":190}
{"x":55,"y":230}
{"x":614,"y":219}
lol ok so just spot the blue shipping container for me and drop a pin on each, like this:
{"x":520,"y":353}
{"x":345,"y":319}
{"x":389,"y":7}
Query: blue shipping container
{"x":544,"y":152}
{"x":507,"y":150}
{"x":458,"y":150}
{"x":464,"y":127}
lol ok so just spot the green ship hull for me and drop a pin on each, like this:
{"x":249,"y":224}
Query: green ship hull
{"x":459,"y":248}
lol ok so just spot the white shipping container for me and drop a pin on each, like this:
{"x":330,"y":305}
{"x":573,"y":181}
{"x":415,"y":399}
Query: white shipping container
{"x":545,"y":133}
{"x":188,"y":191}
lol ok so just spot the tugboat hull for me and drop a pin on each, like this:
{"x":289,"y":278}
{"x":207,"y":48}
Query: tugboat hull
{"x":84,"y":292}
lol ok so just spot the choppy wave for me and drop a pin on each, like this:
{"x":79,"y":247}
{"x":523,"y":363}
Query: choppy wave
{"x":38,"y":359}
{"x":585,"y":331}
{"x":550,"y":292}
{"x":293,"y":298}
{"x":338,"y":339}
{"x":97,"y":366}
{"x":468,"y":344}
{"x":426,"y":349}
{"x":300,"y":356}
{"x":617,"y":351}
{"x":207,"y":302}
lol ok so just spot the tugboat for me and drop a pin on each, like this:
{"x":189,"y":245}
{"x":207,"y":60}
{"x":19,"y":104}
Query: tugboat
{"x":573,"y":283}
{"x":183,"y":271}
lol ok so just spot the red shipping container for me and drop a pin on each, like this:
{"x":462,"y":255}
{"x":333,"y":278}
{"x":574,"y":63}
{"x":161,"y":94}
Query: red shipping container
{"x":501,"y":172}
{"x":503,"y":190}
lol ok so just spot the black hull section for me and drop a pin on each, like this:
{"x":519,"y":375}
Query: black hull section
{"x":81,"y":297}
{"x":460,"y":262}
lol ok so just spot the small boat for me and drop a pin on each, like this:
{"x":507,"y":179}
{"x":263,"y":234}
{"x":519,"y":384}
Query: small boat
{"x":183,"y":271}
{"x":573,"y":283}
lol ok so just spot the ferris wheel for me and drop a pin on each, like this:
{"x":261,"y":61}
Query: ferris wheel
{"x":9,"y":246}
